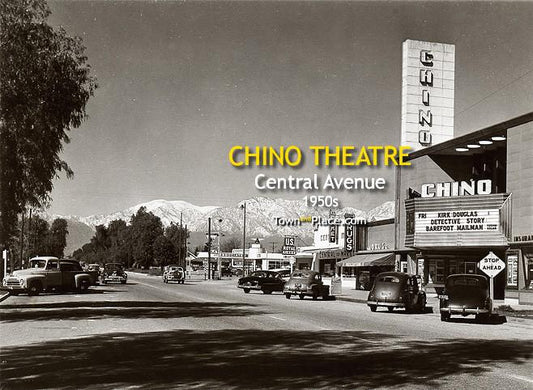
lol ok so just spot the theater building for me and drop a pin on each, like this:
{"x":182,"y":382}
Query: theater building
{"x":464,"y":198}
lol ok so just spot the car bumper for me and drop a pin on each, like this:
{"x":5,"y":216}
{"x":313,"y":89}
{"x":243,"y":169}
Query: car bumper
{"x":114,"y":279}
{"x":175,"y":279}
{"x":386,"y":304}
{"x":13,"y":288}
{"x":255,"y":287}
{"x":297,"y":291}
{"x":464,"y":310}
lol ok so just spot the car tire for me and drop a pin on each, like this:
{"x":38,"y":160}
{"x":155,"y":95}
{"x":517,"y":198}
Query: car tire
{"x":482,"y":318}
{"x":288,"y":296}
{"x":390,"y":309}
{"x":267,"y":291}
{"x":444,"y":316}
{"x":315,"y":295}
{"x":373,"y":308}
{"x":301,"y":296}
{"x":84,"y":286}
{"x":35,"y":288}
{"x":325,"y":295}
{"x":14,"y":293}
{"x":246,"y":290}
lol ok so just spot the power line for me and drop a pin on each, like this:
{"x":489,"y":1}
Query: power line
{"x":494,"y":92}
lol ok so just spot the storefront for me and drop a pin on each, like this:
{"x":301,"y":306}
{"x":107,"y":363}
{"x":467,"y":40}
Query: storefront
{"x":467,"y":197}
{"x":365,"y":267}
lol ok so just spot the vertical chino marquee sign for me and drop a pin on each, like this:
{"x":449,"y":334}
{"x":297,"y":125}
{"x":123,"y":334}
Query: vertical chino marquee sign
{"x":428,"y":74}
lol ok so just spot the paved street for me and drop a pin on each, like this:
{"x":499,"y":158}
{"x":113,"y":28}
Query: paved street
{"x":210,"y":334}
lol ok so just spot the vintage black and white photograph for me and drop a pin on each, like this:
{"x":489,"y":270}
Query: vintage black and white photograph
{"x":266,"y":194}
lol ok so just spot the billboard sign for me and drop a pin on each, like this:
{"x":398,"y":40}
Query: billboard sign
{"x":428,"y":76}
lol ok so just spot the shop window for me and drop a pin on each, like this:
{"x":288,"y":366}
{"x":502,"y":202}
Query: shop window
{"x":403,"y":266}
{"x":529,"y":270}
{"x":436,"y":271}
{"x":512,"y":270}
{"x":452,"y":267}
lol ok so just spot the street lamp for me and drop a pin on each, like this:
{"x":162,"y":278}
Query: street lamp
{"x":243,"y":206}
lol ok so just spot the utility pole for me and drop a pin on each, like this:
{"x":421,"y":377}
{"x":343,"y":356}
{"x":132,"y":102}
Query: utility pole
{"x":244,"y":239}
{"x":209,"y":248}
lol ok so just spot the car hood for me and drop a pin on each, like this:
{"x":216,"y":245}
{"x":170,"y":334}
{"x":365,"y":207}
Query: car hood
{"x":28,"y":271}
{"x":250,"y":279}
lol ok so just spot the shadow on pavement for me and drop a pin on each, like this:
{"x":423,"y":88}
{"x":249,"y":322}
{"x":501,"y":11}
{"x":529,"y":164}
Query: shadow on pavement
{"x":77,"y":310}
{"x":251,"y":359}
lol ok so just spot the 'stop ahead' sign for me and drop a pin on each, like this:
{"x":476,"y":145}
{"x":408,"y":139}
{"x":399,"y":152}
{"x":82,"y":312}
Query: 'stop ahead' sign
{"x":491,"y":265}
{"x":428,"y":75}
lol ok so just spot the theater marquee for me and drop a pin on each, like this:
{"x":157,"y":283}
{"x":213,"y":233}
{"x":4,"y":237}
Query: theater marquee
{"x":428,"y":75}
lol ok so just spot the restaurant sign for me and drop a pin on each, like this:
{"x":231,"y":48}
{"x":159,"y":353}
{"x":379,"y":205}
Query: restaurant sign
{"x":465,"y":221}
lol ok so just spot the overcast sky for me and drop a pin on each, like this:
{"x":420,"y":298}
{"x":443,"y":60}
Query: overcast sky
{"x":182,"y":82}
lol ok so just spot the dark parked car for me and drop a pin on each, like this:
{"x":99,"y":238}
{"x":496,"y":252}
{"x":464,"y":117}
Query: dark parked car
{"x":266,"y":281}
{"x":306,"y":283}
{"x":114,"y":272}
{"x":465,"y":294}
{"x":396,"y":289}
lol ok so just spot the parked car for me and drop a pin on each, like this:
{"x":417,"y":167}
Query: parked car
{"x":94,"y":267}
{"x":465,"y":294}
{"x":396,"y":289}
{"x":114,"y":272}
{"x":174,"y":273}
{"x":265,"y":281}
{"x":48,"y":273}
{"x":283,"y":273}
{"x":306,"y":283}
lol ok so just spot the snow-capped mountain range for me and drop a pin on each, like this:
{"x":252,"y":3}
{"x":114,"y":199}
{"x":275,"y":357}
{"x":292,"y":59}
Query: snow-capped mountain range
{"x":261,"y":214}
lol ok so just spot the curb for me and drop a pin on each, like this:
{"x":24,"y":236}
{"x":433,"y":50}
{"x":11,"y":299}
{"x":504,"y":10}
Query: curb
{"x":4,"y":296}
{"x":347,"y":299}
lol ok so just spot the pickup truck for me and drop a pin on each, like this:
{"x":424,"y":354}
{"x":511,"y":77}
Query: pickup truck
{"x":47,"y":273}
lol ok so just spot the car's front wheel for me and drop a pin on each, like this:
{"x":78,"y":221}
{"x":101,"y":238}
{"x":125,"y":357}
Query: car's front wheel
{"x":35,"y":288}
{"x":301,"y":296}
{"x":84,"y":286}
{"x":246,"y":290}
{"x":373,"y":308}
{"x":288,"y":296}
{"x":267,"y":291}
{"x":444,"y":316}
{"x":390,"y":309}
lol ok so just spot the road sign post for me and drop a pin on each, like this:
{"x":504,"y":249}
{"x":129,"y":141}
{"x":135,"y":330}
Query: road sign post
{"x":491,"y":265}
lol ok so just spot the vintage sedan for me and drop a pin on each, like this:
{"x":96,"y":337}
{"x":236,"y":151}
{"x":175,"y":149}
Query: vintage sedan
{"x":114,"y":272}
{"x":265,"y":281}
{"x":174,"y":273}
{"x":306,"y":283}
{"x":465,"y":294}
{"x":396,"y":289}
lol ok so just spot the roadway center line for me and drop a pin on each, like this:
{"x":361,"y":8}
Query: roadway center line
{"x":278,"y":318}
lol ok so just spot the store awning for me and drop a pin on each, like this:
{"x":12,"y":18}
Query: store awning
{"x":368,"y":260}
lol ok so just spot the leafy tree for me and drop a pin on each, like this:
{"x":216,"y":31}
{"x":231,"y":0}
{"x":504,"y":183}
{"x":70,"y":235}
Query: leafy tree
{"x":164,"y":252}
{"x":57,"y":237}
{"x":45,"y":84}
{"x":38,"y":238}
{"x":119,"y":238}
{"x":145,"y":228}
{"x":178,"y":236}
{"x":230,"y":243}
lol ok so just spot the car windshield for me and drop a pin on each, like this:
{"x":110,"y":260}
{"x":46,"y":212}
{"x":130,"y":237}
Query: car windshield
{"x":113,"y":267}
{"x":466,"y":281}
{"x":259,"y":274}
{"x":389,"y":279}
{"x":37,"y":263}
{"x":301,"y":274}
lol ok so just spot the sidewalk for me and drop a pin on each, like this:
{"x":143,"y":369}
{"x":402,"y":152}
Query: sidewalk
{"x":349,"y":293}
